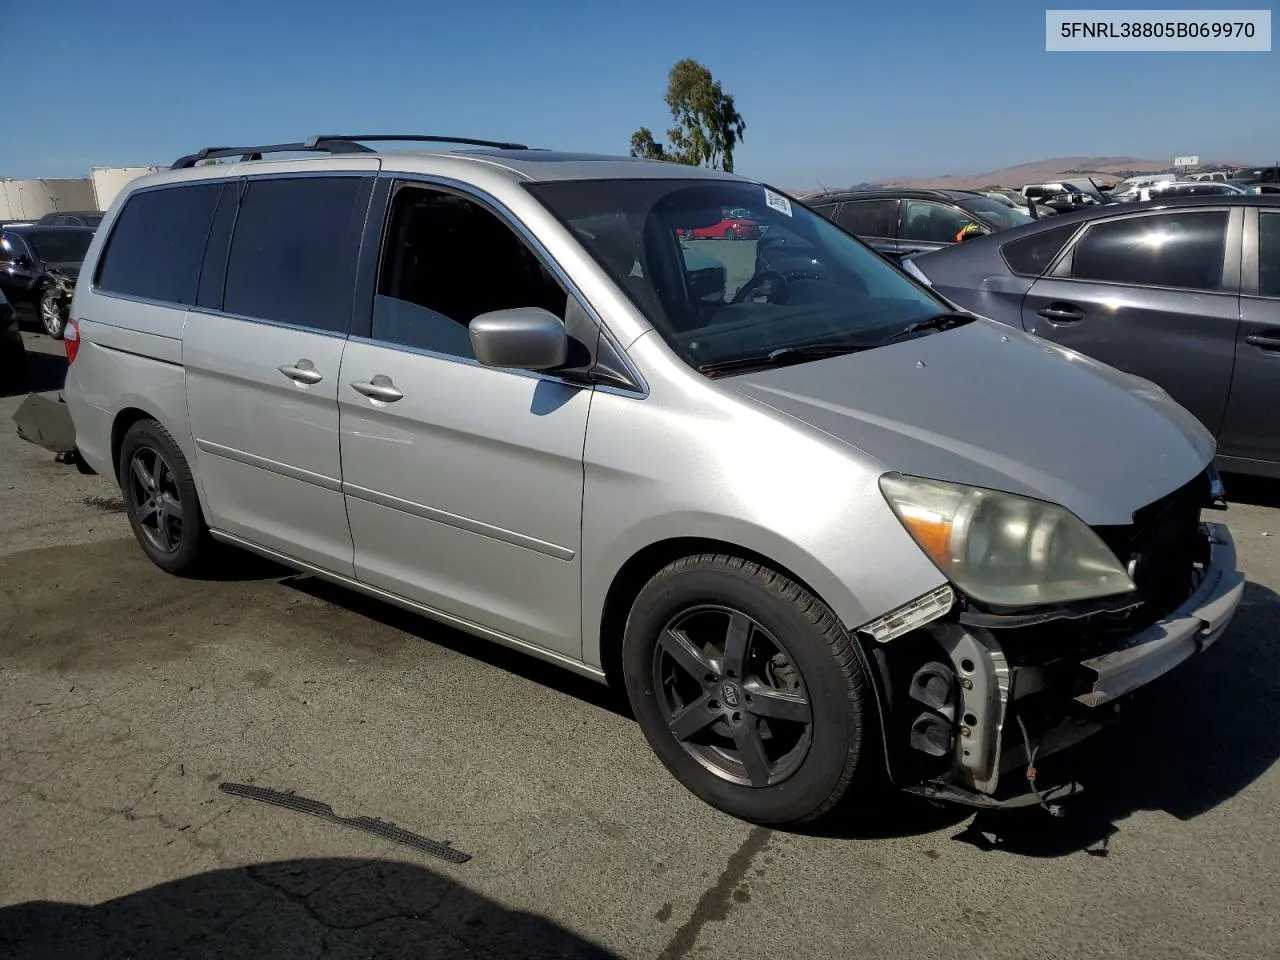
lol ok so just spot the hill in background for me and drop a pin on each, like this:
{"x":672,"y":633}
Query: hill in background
{"x":1106,"y":169}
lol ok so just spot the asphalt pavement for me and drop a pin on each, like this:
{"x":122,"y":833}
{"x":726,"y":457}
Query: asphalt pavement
{"x":127,"y":696}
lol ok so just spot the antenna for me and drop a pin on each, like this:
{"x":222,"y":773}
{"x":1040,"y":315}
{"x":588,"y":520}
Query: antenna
{"x":821,"y":184}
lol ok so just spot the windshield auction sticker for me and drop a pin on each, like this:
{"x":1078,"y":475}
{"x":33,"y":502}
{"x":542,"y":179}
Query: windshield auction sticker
{"x":1131,"y":31}
{"x":777,"y":202}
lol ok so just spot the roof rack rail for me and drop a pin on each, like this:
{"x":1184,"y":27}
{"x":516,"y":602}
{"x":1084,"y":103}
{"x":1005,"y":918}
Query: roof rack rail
{"x":413,"y":138}
{"x":330,"y":143}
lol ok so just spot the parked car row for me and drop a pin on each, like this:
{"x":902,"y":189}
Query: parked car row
{"x":824,"y":528}
{"x":40,"y":262}
{"x":1183,"y":292}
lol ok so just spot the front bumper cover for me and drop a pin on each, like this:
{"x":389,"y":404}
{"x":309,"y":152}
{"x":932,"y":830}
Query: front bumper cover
{"x":1190,"y":629}
{"x":43,"y":419}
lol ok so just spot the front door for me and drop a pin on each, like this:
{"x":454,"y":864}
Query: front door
{"x":1153,"y":295}
{"x":463,"y":482}
{"x":1251,"y":429}
{"x":263,"y":367}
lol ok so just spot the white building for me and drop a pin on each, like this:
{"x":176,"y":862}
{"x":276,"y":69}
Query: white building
{"x":32,"y":199}
{"x":109,"y":181}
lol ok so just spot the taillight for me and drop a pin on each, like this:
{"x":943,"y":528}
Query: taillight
{"x":71,"y":339}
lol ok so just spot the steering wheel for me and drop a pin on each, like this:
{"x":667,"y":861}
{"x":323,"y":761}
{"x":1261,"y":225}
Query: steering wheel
{"x":777,"y":295}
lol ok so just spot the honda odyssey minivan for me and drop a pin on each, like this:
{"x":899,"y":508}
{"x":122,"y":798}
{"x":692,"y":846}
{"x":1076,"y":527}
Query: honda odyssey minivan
{"x":825,"y":529}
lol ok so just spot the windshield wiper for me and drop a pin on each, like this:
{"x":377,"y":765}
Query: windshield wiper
{"x":939,"y":321}
{"x":783,"y":356}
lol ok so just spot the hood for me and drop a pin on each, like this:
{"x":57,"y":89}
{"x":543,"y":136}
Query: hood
{"x":70,"y":267}
{"x":990,"y":406}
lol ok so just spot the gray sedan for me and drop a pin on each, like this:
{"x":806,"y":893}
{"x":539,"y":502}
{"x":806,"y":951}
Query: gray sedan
{"x":1185,"y":293}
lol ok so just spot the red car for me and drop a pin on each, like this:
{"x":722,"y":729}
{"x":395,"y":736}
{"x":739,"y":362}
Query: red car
{"x":730,"y":228}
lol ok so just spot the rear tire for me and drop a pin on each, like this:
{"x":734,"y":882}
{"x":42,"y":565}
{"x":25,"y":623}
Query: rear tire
{"x":161,"y":501}
{"x":748,"y":688}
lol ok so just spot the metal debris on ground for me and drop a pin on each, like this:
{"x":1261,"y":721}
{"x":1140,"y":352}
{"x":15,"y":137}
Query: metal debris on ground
{"x":372,"y":825}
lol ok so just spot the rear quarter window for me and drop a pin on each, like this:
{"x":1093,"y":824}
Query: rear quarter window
{"x":1031,"y":255}
{"x":157,"y":243}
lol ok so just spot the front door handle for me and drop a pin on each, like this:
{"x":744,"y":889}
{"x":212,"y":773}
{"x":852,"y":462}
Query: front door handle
{"x":303,"y":371}
{"x":1061,"y":313}
{"x":379,"y":388}
{"x":1264,"y":341}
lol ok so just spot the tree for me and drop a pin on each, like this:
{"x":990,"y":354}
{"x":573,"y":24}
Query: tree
{"x":643,"y":145}
{"x":708,"y":125}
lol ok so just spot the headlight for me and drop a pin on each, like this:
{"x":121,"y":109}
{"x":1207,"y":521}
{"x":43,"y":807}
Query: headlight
{"x":1002,"y":549}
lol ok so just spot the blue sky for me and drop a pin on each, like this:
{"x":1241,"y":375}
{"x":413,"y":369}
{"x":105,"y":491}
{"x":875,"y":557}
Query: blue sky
{"x":839,"y":92}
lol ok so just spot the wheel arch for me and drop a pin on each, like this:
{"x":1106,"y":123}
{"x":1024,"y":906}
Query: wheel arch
{"x":135,"y":410}
{"x":640,"y":568}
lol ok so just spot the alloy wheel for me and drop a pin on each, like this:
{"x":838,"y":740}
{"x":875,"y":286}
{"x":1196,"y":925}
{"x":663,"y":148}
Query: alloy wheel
{"x":50,"y":314}
{"x":732,"y":695}
{"x":156,"y":500}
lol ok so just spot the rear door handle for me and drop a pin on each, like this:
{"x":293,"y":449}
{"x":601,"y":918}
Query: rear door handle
{"x":1264,"y":341}
{"x":379,"y":388}
{"x":304,"y":371}
{"x":1061,"y":313}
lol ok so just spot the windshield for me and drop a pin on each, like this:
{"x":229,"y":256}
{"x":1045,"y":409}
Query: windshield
{"x":999,"y":215}
{"x":798,"y":281}
{"x":60,"y":243}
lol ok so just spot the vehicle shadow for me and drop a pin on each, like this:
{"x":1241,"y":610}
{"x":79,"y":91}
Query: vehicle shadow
{"x":504,"y":658}
{"x":296,"y":908}
{"x":1255,"y":491}
{"x":40,"y":372}
{"x":45,"y":371}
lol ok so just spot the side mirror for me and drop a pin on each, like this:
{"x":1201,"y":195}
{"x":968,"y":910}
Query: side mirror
{"x":524,"y":338}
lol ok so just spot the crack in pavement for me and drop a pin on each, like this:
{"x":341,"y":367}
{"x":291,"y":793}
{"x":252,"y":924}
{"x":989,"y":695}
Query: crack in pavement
{"x":715,"y":903}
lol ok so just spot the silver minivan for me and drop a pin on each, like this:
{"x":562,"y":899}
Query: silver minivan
{"x":825,"y":529}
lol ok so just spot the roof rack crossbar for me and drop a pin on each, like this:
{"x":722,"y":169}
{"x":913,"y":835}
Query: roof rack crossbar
{"x":317,"y":141}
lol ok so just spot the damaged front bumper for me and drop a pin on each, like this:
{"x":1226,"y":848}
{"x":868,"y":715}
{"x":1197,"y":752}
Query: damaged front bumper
{"x":1010,"y":705}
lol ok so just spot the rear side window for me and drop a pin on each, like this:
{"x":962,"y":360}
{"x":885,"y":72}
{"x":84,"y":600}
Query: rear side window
{"x":293,"y":254}
{"x":1030,"y":256}
{"x":1269,"y":254}
{"x":1182,"y":250}
{"x":157,"y":244}
{"x":868,"y":218}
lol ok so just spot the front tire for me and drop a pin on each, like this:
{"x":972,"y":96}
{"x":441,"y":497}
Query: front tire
{"x":731,"y":234}
{"x":161,"y":501}
{"x":51,"y":318}
{"x":747,"y":687}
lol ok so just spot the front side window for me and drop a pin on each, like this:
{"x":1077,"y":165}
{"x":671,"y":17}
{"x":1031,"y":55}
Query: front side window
{"x":994,"y":212}
{"x":803,"y":283}
{"x":930,"y":222}
{"x":293,"y":252}
{"x":1182,"y":250}
{"x":157,"y":243}
{"x":1269,"y":254}
{"x":446,"y":260}
{"x":869,"y":218}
